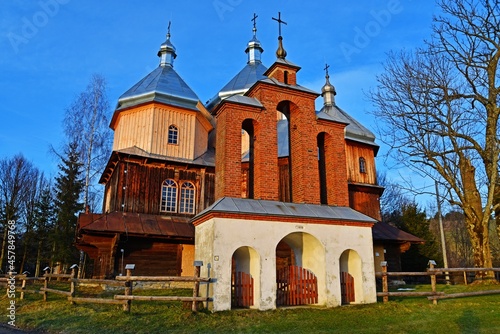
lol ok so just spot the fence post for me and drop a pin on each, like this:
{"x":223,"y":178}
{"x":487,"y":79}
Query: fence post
{"x":196,"y":289}
{"x":432,"y":263}
{"x":385,"y":284}
{"x":465,"y":277}
{"x":23,"y":286}
{"x":72,"y":285}
{"x":46,"y":271}
{"x":128,"y":287}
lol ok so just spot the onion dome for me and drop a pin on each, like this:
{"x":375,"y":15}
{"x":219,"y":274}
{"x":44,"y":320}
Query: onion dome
{"x":328,"y":91}
{"x":161,"y":85}
{"x":250,"y":74}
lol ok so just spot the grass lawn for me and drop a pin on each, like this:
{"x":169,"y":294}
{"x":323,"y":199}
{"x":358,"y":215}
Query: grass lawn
{"x":401,"y":315}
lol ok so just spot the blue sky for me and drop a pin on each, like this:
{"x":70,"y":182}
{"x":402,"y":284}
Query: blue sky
{"x":50,"y":48}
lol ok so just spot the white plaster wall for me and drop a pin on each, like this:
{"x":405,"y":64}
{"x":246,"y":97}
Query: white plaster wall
{"x":218,"y":238}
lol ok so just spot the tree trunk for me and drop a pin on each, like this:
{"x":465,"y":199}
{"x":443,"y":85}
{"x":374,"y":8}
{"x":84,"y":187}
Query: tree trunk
{"x":476,"y":220}
{"x":4,"y":245}
{"x":25,"y":254}
{"x":479,"y":236}
{"x":38,"y":256}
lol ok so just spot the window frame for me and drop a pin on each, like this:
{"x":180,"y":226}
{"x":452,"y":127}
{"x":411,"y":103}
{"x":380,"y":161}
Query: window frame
{"x":173,"y":135}
{"x":164,"y":196}
{"x":187,"y":198}
{"x":362,"y":165}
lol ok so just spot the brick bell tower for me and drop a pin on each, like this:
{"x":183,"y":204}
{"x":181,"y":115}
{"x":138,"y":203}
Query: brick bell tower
{"x":276,"y":111}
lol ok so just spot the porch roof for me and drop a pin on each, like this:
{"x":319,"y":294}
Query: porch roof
{"x":136,"y":224}
{"x":284,"y":209}
{"x":382,"y":231}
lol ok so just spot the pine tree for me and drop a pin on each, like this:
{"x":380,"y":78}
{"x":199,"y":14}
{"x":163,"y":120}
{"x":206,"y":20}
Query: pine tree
{"x":417,"y":257}
{"x":68,"y":191}
{"x":45,"y":216}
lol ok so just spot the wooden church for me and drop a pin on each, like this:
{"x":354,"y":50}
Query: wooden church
{"x":256,"y":183}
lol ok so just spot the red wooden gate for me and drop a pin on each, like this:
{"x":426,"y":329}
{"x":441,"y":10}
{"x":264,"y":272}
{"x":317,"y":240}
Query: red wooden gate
{"x":347,"y":287}
{"x":242,"y":290}
{"x":296,"y":286}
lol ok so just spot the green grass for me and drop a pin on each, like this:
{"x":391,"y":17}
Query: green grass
{"x":401,"y":315}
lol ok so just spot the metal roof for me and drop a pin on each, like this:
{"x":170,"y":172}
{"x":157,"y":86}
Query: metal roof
{"x":275,"y":82}
{"x":136,"y":224}
{"x":162,"y":85}
{"x":240,"y":83}
{"x":354,"y":130}
{"x":241,"y":99}
{"x":385,"y":232}
{"x":206,"y":159}
{"x":276,"y":208}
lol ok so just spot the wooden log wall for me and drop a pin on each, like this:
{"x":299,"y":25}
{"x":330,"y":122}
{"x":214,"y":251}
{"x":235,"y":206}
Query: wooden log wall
{"x":354,"y":151}
{"x":151,"y":258}
{"x":136,"y":186}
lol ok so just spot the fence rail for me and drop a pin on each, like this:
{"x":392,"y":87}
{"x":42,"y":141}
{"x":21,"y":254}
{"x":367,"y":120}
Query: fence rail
{"x":122,"y":281}
{"x":432,"y":272}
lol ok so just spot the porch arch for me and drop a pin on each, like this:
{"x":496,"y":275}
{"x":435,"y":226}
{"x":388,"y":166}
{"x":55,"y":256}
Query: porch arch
{"x":306,"y":252}
{"x":351,"y":277}
{"x":245,"y":278}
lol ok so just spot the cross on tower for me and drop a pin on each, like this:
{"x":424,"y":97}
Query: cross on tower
{"x":168,"y":29}
{"x":255,"y":16}
{"x":326,"y":69}
{"x":279,"y":22}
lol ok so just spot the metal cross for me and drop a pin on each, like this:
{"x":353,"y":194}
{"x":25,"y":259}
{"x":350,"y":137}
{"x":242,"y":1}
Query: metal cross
{"x":279,"y":22}
{"x":168,"y":31}
{"x":326,"y":68}
{"x":255,"y":16}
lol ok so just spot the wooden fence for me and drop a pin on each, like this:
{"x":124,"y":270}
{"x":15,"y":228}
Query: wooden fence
{"x":433,"y":273}
{"x":126,"y":282}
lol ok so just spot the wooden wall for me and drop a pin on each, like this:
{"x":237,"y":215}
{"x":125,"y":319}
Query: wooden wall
{"x":136,"y":186}
{"x":147,"y":128}
{"x":353,"y":152}
{"x":151,"y":257}
{"x":365,"y":200}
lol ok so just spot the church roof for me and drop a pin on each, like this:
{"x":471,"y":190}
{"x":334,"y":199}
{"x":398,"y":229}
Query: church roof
{"x":354,"y":130}
{"x":273,"y":81}
{"x":240,"y":83}
{"x":206,"y":159}
{"x":162,"y":85}
{"x":283,"y":209}
{"x":250,"y":74}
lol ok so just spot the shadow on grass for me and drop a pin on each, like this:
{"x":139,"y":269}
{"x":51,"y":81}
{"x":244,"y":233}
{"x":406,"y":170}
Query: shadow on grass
{"x":469,"y":323}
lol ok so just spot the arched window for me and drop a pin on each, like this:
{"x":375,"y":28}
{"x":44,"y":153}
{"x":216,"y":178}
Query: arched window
{"x":362,"y":165}
{"x":173,"y":134}
{"x":186,"y":204}
{"x":168,"y":196}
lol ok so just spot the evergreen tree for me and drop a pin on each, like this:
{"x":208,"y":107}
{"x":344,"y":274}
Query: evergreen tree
{"x":68,"y":191}
{"x":417,"y":257}
{"x":45,"y":216}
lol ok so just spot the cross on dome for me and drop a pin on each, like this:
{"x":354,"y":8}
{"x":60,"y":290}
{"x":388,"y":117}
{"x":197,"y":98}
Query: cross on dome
{"x":280,"y":53}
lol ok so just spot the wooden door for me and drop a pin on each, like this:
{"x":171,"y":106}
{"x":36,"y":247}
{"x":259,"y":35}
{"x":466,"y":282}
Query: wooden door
{"x":241,"y":290}
{"x":347,"y":288}
{"x":296,"y":286}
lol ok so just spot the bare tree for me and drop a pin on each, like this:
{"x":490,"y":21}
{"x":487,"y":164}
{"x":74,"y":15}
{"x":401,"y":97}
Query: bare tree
{"x":439,"y":110}
{"x":86,"y":123}
{"x":15,"y":174}
{"x":28,"y":219}
{"x":393,"y":199}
